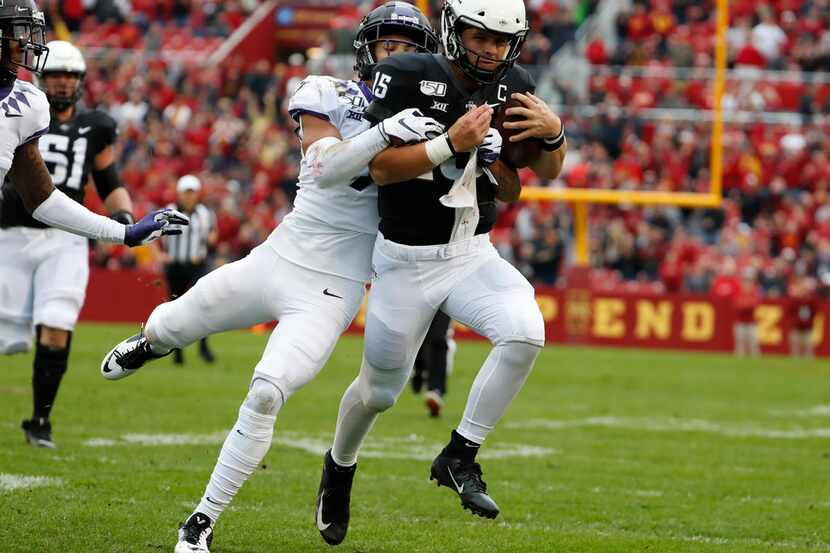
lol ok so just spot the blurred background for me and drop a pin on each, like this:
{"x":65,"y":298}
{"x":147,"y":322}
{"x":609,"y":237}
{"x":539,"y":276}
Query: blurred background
{"x":201,"y":87}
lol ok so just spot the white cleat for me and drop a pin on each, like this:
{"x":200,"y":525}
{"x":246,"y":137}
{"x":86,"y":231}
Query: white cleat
{"x":195,"y":535}
{"x":127,"y":357}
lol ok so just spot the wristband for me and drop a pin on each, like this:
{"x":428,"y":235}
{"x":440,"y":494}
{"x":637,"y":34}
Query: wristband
{"x":124,"y":217}
{"x":440,"y":149}
{"x":553,"y":144}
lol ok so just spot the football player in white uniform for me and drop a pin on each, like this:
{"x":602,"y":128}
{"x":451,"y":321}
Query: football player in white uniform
{"x":433,"y":251}
{"x":310,"y":273}
{"x":46,"y":270}
{"x":43,"y":281}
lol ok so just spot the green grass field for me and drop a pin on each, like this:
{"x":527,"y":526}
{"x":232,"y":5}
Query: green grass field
{"x":603,"y":451}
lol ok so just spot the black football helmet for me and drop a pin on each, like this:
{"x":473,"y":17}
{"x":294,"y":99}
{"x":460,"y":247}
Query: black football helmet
{"x":392,"y":18}
{"x":21,"y":22}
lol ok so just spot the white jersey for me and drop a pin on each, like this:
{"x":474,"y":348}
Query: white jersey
{"x":24,"y":116}
{"x":331,"y":230}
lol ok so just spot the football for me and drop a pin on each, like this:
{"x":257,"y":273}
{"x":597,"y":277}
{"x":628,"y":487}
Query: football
{"x":515,"y":154}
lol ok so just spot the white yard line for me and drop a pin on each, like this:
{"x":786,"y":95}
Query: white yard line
{"x":412,"y":447}
{"x":12,"y":482}
{"x":670,"y":424}
{"x":816,"y":411}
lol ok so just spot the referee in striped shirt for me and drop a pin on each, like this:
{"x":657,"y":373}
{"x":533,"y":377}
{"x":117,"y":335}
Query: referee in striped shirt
{"x":185,"y":255}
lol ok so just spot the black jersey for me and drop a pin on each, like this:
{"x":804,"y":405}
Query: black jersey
{"x":69,"y":150}
{"x":411,"y":212}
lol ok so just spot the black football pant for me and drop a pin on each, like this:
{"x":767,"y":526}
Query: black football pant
{"x":431,"y":362}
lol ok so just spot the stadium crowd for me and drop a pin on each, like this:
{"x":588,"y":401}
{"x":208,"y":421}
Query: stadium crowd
{"x":774,"y":228}
{"x":230,"y":127}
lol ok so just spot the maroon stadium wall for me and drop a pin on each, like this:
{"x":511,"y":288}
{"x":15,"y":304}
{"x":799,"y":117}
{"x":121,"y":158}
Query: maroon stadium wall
{"x":573,"y":316}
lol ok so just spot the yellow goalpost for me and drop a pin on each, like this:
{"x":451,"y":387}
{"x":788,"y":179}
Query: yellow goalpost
{"x":581,"y":198}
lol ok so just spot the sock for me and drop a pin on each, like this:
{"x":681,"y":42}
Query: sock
{"x":243,"y":451}
{"x":354,"y":421}
{"x":462,"y":448}
{"x":48,"y":370}
{"x":497,"y":383}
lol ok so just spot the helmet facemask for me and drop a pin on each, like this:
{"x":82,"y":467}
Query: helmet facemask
{"x":61,"y":103}
{"x":29,"y":34}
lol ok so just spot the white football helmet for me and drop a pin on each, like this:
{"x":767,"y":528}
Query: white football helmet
{"x":506,"y":17}
{"x":63,"y":58}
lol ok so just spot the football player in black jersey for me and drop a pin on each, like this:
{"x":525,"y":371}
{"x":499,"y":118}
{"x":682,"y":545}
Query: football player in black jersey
{"x":54,"y":269}
{"x":437,"y":206}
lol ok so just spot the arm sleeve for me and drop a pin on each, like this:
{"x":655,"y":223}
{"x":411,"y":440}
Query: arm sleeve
{"x":60,"y":211}
{"x":107,"y":132}
{"x":106,"y":181}
{"x":332,"y":161}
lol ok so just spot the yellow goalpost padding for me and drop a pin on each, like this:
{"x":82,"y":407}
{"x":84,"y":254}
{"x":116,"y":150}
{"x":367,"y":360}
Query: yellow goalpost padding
{"x":582,"y":197}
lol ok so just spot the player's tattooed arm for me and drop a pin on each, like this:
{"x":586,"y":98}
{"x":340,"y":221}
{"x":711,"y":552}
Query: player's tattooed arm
{"x":509,"y":186}
{"x":30,"y":176}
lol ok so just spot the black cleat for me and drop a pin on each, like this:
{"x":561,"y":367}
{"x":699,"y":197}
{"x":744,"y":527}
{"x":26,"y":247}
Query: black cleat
{"x":195,"y":535}
{"x":466,"y":481}
{"x":127,"y":357}
{"x":333,"y":497}
{"x":38,"y":432}
{"x":178,"y":357}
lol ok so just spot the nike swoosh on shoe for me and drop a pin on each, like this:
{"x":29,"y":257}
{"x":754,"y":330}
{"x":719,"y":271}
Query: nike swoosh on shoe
{"x":322,"y":526}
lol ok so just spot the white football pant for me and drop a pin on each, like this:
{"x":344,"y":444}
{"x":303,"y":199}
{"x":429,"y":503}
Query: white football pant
{"x":43,"y":278}
{"x":313,"y":310}
{"x":474,"y":286}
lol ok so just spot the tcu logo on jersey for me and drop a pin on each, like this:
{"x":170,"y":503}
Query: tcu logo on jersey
{"x":433,"y":88}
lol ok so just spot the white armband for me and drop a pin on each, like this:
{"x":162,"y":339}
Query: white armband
{"x":439,"y":149}
{"x":336,"y":161}
{"x":61,"y":211}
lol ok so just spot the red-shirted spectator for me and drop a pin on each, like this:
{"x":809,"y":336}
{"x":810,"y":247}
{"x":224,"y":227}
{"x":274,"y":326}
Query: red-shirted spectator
{"x":802,"y":311}
{"x":727,"y":285}
{"x":746,"y":328}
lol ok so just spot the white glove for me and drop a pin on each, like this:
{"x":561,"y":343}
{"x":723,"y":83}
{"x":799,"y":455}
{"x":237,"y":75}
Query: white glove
{"x":409,"y":126}
{"x":490,"y":148}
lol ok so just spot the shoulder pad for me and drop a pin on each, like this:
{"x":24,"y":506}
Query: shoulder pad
{"x":520,"y":76}
{"x":316,"y":95}
{"x":413,"y":62}
{"x":32,"y":106}
{"x":99,"y":118}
